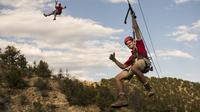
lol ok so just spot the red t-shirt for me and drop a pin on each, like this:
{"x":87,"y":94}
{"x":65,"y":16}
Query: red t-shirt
{"x":141,"y":52}
{"x":59,"y":9}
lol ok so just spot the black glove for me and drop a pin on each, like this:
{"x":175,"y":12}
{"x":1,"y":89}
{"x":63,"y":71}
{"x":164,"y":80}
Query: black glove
{"x":112,"y":57}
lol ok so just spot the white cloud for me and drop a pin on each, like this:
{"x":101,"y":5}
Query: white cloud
{"x":23,"y":3}
{"x":84,"y":54}
{"x":185,"y":1}
{"x":25,"y":22}
{"x":181,"y":1}
{"x":81,"y":75}
{"x":120,"y":1}
{"x":174,"y":53}
{"x":32,"y":24}
{"x":82,"y":45}
{"x":186,"y":33}
{"x":196,"y":25}
{"x":86,"y":58}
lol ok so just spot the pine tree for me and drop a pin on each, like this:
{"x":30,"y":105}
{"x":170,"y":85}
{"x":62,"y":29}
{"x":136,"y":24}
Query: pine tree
{"x":60,"y":74}
{"x":43,"y":69}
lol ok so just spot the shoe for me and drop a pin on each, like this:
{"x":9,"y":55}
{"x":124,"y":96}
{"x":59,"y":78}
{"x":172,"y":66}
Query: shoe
{"x":54,"y":18}
{"x":121,"y":101}
{"x":151,"y":92}
{"x":45,"y":15}
{"x":149,"y":89}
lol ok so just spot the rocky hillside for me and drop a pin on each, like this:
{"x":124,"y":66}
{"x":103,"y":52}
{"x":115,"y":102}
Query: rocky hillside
{"x":40,"y":95}
{"x":56,"y":95}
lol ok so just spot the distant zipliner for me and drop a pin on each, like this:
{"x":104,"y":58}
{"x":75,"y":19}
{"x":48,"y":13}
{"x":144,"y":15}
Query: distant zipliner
{"x":57,"y":11}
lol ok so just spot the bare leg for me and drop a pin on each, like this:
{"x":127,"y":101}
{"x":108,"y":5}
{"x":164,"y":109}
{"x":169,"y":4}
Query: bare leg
{"x":52,"y":13}
{"x":119,"y":83}
{"x":122,"y":99}
{"x":138,"y":74}
{"x":54,"y":16}
{"x":137,"y":70}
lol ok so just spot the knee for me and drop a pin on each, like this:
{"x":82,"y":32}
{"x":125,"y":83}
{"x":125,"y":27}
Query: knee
{"x":118,"y":77}
{"x":134,"y":69}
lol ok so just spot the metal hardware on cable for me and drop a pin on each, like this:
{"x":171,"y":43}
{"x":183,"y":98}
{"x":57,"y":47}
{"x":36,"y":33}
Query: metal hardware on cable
{"x":129,"y":10}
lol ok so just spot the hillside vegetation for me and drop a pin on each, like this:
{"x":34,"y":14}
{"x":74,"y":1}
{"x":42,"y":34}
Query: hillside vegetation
{"x":26,"y":88}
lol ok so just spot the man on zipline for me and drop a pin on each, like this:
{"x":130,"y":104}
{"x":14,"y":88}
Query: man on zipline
{"x":137,"y":64}
{"x":57,"y":11}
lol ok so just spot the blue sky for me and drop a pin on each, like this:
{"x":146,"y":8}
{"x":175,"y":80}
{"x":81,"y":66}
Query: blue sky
{"x":82,"y":38}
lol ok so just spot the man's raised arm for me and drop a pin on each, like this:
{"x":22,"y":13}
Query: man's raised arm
{"x":136,"y":28}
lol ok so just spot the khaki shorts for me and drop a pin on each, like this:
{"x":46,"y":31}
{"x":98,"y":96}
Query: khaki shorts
{"x":143,"y":63}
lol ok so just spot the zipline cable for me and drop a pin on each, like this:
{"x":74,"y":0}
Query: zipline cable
{"x":150,"y":55}
{"x":150,"y":39}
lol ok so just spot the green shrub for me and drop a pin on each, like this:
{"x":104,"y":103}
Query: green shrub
{"x":44,"y":93}
{"x":23,"y":100}
{"x":77,"y":93}
{"x":42,"y":69}
{"x":4,"y":99}
{"x":14,"y":79}
{"x":38,"y":107}
{"x":104,"y":97}
{"x":41,"y":84}
{"x":51,"y":108}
